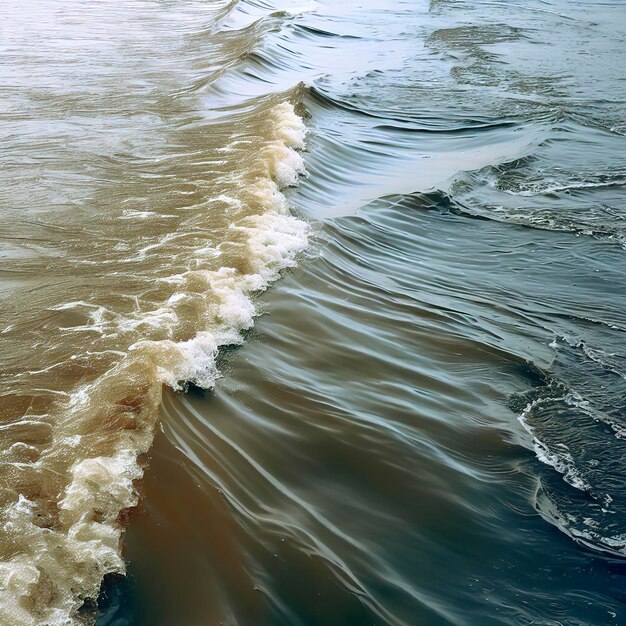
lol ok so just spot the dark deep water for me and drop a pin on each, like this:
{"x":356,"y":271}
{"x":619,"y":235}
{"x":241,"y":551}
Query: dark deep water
{"x":428,"y":426}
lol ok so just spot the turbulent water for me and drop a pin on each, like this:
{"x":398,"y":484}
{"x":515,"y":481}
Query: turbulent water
{"x":428,"y":427}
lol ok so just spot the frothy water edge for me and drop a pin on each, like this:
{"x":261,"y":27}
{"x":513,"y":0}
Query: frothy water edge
{"x":62,"y":561}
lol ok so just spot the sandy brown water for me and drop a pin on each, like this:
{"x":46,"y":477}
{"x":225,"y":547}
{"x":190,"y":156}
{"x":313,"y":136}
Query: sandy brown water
{"x":135,"y":237}
{"x":426,"y":426}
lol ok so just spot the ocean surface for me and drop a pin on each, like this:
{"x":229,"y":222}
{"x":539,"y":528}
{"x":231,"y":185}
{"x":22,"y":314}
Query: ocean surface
{"x":313,"y":313}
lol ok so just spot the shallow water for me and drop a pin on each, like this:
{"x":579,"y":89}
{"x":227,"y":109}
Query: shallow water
{"x":427,"y":427}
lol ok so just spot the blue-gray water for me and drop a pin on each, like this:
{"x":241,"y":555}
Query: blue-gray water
{"x":428,"y":425}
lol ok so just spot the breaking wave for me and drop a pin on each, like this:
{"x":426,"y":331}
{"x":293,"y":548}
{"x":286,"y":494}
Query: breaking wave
{"x":65,"y":519}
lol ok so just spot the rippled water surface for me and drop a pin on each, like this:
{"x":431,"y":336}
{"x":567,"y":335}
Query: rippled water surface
{"x":426,"y":423}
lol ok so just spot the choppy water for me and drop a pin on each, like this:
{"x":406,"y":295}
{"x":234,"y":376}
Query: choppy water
{"x":428,"y":427}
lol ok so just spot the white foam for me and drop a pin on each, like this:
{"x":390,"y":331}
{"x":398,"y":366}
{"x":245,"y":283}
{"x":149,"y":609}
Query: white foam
{"x":558,"y":457}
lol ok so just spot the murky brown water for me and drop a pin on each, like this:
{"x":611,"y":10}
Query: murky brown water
{"x":137,"y":232}
{"x":428,"y":426}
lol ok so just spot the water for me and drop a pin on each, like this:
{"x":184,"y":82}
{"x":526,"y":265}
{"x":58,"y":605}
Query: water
{"x":427,"y":427}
